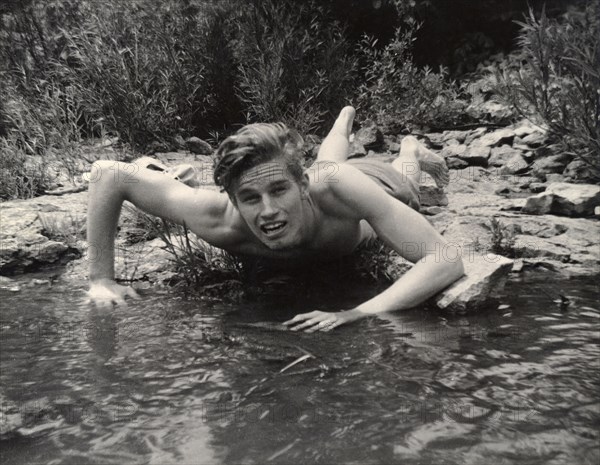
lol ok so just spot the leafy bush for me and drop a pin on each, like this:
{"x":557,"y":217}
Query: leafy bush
{"x":20,"y":176}
{"x":555,"y":79}
{"x":503,"y":238}
{"x":398,"y":94}
{"x":140,"y":69}
{"x":295,"y":64}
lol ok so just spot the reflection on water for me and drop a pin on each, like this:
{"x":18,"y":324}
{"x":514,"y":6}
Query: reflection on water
{"x":174,"y":380}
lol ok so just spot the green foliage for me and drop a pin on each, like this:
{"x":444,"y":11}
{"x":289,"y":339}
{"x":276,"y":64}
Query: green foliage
{"x":400,"y":95}
{"x":65,"y":228}
{"x":196,"y":261}
{"x":140,"y":69}
{"x":555,"y":79}
{"x":21,"y":176}
{"x":154,"y":70}
{"x":503,"y":239}
{"x":295,"y":65}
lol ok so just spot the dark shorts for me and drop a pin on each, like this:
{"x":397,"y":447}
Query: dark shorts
{"x":394,"y":183}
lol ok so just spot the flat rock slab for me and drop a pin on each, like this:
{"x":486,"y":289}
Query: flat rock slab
{"x":483,"y":275}
{"x":499,"y":137}
{"x":562,"y":198}
{"x":40,"y":231}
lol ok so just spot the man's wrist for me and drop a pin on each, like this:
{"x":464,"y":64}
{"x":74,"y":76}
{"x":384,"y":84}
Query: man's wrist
{"x":355,"y":314}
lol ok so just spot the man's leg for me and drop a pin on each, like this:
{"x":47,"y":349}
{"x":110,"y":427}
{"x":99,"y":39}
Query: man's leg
{"x":336,"y":145}
{"x":414,"y":157}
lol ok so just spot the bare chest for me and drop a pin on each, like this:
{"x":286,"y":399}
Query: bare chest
{"x":335,"y":238}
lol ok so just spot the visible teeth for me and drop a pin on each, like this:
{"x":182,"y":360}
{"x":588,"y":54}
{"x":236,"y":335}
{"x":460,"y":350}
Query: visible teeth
{"x":273,"y":227}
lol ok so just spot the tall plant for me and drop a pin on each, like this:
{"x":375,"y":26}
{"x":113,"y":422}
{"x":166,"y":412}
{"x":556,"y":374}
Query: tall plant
{"x":399,"y":94}
{"x":295,"y":64}
{"x":557,"y":79}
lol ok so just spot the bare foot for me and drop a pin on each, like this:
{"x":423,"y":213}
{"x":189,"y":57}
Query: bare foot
{"x":343,"y":123}
{"x":431,"y":163}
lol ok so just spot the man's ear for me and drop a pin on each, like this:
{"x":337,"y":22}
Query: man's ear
{"x":305,"y":184}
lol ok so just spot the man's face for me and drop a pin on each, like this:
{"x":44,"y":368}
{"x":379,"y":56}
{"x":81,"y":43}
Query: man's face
{"x":272,"y":203}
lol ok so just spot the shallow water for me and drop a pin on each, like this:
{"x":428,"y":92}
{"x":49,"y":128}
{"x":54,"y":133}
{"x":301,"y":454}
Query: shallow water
{"x":176,"y":380}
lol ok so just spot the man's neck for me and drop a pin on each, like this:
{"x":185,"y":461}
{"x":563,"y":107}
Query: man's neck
{"x":311,"y":225}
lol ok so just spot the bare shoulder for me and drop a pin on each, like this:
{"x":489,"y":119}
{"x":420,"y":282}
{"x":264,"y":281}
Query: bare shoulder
{"x":206,"y":212}
{"x":344,"y":190}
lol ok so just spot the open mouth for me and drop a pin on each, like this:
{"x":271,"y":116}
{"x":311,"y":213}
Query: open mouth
{"x":272,"y":229}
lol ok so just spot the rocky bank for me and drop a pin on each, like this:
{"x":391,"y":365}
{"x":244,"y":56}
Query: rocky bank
{"x":508,"y":193}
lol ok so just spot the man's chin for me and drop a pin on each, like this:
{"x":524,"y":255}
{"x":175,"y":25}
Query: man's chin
{"x":279,"y":245}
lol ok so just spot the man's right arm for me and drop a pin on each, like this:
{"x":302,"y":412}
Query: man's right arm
{"x":113,"y":182}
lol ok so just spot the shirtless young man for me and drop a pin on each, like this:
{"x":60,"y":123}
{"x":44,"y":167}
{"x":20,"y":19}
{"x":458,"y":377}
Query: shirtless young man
{"x":271,"y":207}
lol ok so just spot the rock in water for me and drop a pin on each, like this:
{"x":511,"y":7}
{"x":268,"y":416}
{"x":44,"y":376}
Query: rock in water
{"x":563,"y":198}
{"x":11,"y":420}
{"x":483,"y":274}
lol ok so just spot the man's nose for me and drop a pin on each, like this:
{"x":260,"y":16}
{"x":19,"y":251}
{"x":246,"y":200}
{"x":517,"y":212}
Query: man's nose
{"x":269,"y":208}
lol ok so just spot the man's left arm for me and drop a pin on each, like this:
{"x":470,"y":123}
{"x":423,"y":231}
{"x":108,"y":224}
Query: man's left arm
{"x":437,"y":264}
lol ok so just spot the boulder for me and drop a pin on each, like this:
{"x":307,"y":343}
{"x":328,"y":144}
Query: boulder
{"x":578,"y":169}
{"x":430,"y":211}
{"x":476,"y":155}
{"x":514,"y":165}
{"x":499,"y":156}
{"x":483,"y":275}
{"x":435,"y":140}
{"x":496,"y":138}
{"x":369,"y":136}
{"x":456,"y":163}
{"x":474,"y":134}
{"x":393,"y":147}
{"x":179,"y":142}
{"x":198,"y":146}
{"x":537,"y":187}
{"x":551,"y":164}
{"x":565,"y":199}
{"x":158,"y":146}
{"x":459,"y":136}
{"x":40,"y":231}
{"x":535,"y":139}
{"x":356,"y":150}
{"x":490,"y":110}
{"x":555,"y":177}
{"x":453,"y":150}
{"x":524,"y":128}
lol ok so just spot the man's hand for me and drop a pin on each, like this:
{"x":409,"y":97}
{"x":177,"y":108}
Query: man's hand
{"x":322,"y":321}
{"x":106,"y":292}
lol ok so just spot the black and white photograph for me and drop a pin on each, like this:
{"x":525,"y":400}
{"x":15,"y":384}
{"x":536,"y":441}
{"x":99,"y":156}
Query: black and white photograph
{"x":295,"y":232}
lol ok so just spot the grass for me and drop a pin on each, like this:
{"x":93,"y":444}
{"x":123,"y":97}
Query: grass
{"x":66,"y":227}
{"x":196,"y":261}
{"x":502,"y":240}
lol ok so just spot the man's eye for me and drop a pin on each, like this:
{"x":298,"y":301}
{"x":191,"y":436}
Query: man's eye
{"x":279,"y":190}
{"x":251,"y":199}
